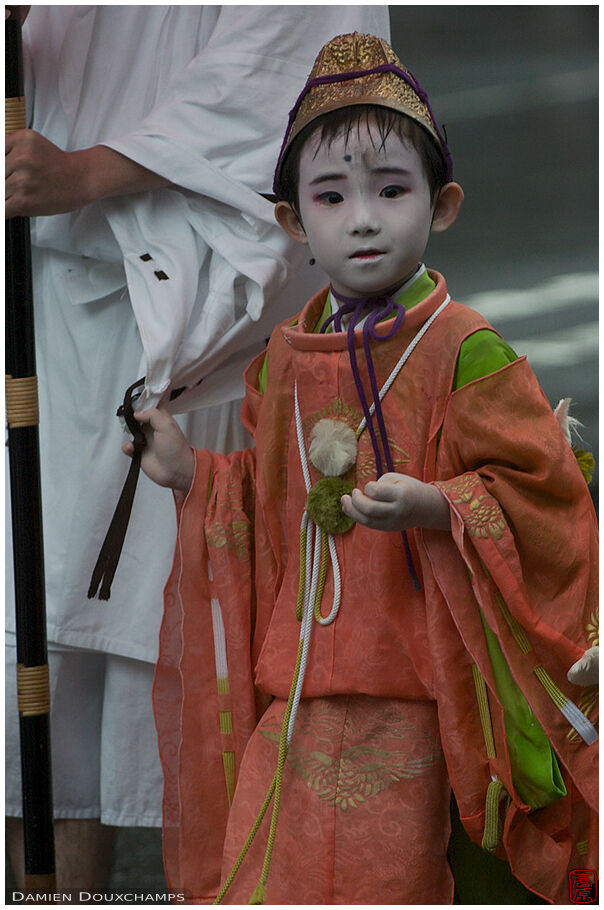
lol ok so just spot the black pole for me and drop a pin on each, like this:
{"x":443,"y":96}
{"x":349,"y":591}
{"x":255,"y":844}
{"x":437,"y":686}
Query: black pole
{"x":30,"y":608}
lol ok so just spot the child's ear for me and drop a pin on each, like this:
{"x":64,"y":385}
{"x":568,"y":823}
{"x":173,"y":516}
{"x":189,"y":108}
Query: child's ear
{"x":447,"y":207}
{"x":290,"y":222}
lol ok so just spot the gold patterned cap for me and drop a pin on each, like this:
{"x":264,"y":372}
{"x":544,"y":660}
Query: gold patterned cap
{"x":360,"y":69}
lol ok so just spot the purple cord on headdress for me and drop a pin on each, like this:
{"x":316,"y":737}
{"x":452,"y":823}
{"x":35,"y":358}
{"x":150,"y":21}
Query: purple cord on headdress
{"x":382,"y":307}
{"x":408,"y":77}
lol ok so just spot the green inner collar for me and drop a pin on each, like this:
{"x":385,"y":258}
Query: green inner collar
{"x":409,"y":296}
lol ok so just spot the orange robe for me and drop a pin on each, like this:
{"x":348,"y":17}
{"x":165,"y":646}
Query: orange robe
{"x":521,"y":549}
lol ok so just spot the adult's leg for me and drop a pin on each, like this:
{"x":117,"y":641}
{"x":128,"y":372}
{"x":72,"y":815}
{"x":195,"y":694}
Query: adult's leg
{"x":83,"y":847}
{"x":84,"y":853}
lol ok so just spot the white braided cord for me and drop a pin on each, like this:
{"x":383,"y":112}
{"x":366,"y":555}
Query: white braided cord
{"x":579,"y":722}
{"x":300,"y":437}
{"x":405,"y":356}
{"x":337,"y":584}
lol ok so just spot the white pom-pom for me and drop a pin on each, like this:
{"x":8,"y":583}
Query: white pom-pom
{"x":333,"y":447}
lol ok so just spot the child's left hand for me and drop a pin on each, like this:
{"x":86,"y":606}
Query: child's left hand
{"x":396,"y":502}
{"x":586,"y":671}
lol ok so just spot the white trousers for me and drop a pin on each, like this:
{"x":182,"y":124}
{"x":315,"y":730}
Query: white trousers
{"x":105,"y":761}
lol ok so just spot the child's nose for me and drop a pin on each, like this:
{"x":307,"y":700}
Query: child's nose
{"x":363,"y":220}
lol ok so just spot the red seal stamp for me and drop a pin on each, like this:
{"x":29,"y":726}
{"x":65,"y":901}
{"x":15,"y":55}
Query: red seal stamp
{"x":583,"y":886}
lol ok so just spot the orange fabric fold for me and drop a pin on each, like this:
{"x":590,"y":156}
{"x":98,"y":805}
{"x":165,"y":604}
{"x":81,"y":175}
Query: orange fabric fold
{"x":523,"y":535}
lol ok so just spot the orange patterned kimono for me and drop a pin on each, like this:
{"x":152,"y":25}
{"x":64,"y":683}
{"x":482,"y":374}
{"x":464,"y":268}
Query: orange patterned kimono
{"x":399,"y":699}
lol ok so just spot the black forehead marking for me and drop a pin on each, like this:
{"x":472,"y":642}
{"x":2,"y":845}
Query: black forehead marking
{"x":347,"y":157}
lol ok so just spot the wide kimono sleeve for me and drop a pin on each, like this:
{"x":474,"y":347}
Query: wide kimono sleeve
{"x":205,"y":704}
{"x":523,"y":554}
{"x":215,"y":134}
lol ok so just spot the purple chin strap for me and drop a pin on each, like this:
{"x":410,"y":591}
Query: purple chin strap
{"x":381,"y":307}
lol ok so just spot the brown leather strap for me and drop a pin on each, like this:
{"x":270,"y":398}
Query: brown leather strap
{"x":109,"y":556}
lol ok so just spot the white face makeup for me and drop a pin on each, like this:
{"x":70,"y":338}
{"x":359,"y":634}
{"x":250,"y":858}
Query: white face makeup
{"x":365,"y":209}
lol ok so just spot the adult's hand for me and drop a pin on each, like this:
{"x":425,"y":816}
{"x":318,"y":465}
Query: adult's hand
{"x":21,"y":11}
{"x":42,"y":179}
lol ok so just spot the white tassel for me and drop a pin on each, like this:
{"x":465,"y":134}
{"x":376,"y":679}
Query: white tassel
{"x":568,"y":424}
{"x":333,"y":447}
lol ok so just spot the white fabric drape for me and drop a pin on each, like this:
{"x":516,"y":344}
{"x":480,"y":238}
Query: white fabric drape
{"x":199,"y":94}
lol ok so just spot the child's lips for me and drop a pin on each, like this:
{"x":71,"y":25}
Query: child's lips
{"x":367,"y":254}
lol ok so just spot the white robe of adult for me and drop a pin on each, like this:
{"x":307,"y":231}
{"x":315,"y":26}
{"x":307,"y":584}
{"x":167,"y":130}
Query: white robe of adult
{"x":200,"y":95}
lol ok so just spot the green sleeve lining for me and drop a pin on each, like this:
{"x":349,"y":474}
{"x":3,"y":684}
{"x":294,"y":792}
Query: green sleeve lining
{"x":535,"y":769}
{"x":482,"y":353}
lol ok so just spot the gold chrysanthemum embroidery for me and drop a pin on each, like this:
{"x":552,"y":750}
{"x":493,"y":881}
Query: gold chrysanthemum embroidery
{"x":462,"y":487}
{"x":335,"y":410}
{"x":235,"y":536}
{"x":362,"y":771}
{"x":592,"y":628}
{"x":485,"y":518}
{"x":366,"y":466}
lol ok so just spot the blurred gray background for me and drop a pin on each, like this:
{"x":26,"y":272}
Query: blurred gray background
{"x":516,"y":87}
{"x":517,"y":90}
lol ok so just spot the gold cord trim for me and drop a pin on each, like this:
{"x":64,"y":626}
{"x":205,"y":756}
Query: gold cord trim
{"x":226,"y":721}
{"x":492,"y":821}
{"x":228,"y":760}
{"x":557,"y":696}
{"x":484,"y":711}
{"x":520,"y":636}
{"x":14,"y":115}
{"x":22,"y":401}
{"x":322,"y":577}
{"x":302,"y":582}
{"x":223,"y":685}
{"x":582,"y":846}
{"x":33,"y":690}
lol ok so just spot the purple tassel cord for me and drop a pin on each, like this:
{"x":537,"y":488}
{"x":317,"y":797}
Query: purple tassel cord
{"x":381,"y":308}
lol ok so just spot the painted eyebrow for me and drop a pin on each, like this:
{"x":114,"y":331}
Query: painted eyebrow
{"x":327,"y":178}
{"x":379,"y":171}
{"x":400,"y":171}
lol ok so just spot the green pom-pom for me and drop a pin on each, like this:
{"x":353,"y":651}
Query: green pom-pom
{"x":259,"y":895}
{"x":324,"y":507}
{"x":586,"y":461}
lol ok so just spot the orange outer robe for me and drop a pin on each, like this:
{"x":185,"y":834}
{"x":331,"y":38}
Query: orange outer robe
{"x":522,"y":546}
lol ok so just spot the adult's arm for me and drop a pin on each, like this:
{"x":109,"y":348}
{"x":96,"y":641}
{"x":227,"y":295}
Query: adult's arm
{"x":42,"y":179}
{"x":226,"y":113}
{"x":217,"y":109}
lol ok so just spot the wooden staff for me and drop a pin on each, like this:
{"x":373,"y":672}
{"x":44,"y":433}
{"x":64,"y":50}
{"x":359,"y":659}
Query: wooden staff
{"x":33,"y":690}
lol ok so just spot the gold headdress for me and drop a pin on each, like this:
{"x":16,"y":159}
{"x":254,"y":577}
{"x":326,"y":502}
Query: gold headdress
{"x":360,"y":69}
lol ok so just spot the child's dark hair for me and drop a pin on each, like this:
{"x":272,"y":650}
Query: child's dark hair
{"x":345,"y":120}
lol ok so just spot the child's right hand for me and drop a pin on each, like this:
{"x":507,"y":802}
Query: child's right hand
{"x":167,"y":459}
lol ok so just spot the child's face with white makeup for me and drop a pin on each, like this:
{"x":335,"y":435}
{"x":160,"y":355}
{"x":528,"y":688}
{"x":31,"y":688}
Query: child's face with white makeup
{"x":366,"y":210}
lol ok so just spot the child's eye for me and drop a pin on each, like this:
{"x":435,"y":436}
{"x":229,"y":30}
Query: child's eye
{"x":330,"y":198}
{"x":391,"y":192}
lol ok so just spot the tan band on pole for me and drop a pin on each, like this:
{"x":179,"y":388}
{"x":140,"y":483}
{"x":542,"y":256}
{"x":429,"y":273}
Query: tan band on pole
{"x":15,"y":117}
{"x":22,"y":401}
{"x":33,"y":690}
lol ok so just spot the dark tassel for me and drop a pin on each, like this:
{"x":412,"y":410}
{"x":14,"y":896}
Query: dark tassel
{"x":109,"y":556}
